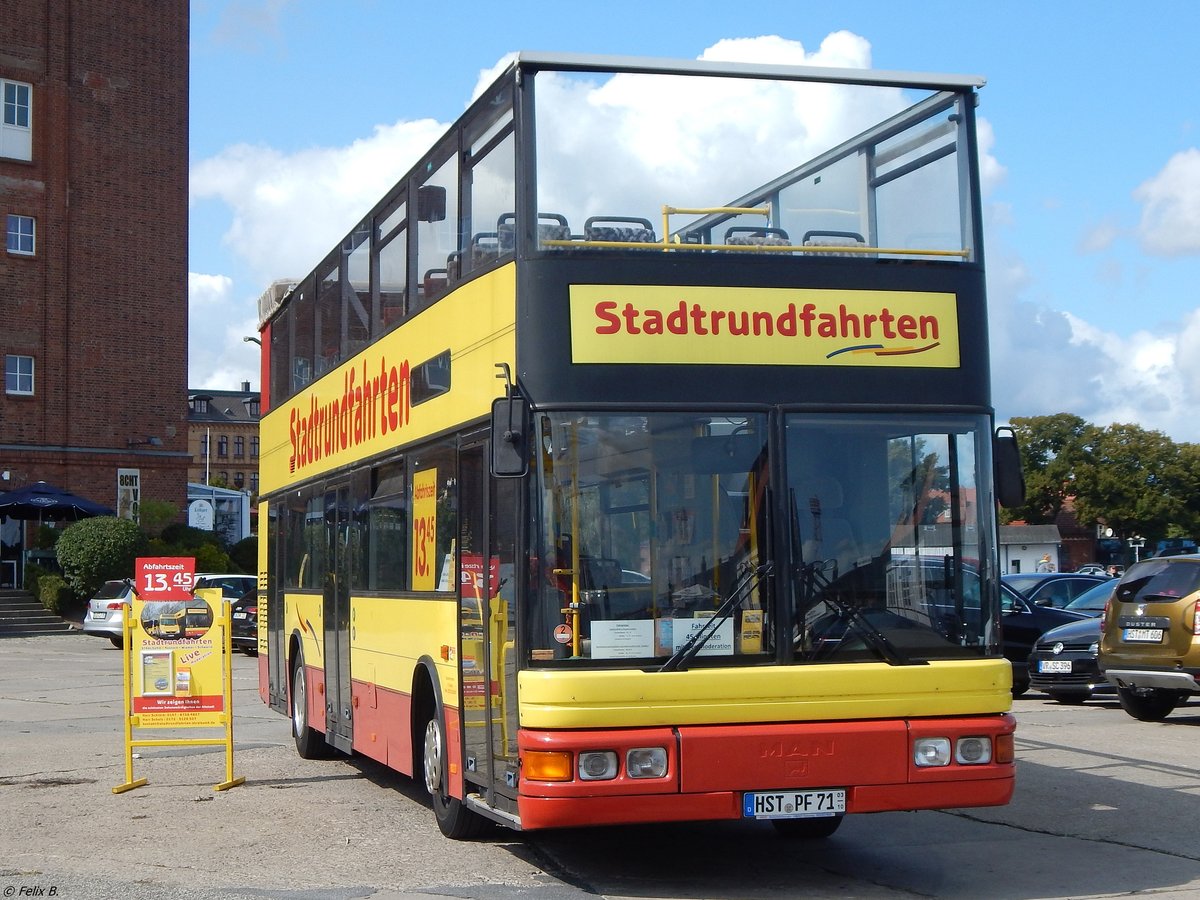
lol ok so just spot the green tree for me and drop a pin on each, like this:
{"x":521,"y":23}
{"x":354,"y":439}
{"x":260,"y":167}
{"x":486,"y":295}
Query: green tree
{"x":1137,"y":482}
{"x":93,"y":551}
{"x":155,"y":515}
{"x":1052,"y":449}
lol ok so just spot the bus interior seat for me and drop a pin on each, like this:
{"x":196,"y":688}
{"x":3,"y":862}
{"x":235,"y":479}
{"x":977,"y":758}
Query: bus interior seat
{"x":751,"y":236}
{"x":818,"y":238}
{"x":630,"y":229}
{"x":555,"y":229}
{"x":551,"y":227}
{"x":826,"y":533}
{"x":485,"y":247}
{"x":434,"y":284}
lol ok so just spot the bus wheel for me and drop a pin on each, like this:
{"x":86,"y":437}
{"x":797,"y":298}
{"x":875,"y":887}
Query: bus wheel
{"x":310,"y":743}
{"x":811,"y":829}
{"x":453,"y":818}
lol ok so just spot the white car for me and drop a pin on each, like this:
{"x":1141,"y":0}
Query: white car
{"x":106,"y":611}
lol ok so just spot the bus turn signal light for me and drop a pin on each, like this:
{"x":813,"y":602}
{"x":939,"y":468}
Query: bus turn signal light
{"x":546,"y":765}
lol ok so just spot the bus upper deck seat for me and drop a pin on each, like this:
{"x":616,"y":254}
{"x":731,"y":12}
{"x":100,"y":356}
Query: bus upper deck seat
{"x":551,"y":227}
{"x":831,"y":239}
{"x":751,"y":236}
{"x":630,"y":229}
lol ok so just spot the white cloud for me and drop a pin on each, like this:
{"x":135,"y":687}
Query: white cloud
{"x":289,"y":210}
{"x":218,"y":357}
{"x":1170,"y":224}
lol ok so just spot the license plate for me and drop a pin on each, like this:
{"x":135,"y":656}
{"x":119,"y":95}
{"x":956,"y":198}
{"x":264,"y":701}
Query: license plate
{"x":1055,"y":665}
{"x":1142,"y":635}
{"x":239,"y":615}
{"x":100,"y":615}
{"x":793,"y":804}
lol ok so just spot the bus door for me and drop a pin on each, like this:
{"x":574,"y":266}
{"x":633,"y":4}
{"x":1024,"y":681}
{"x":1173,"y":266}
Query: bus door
{"x":338,"y":522}
{"x":487,"y":521}
{"x":275,"y":513}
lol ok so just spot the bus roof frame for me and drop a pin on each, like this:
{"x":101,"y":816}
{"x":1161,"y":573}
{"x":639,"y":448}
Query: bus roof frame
{"x":586,"y":62}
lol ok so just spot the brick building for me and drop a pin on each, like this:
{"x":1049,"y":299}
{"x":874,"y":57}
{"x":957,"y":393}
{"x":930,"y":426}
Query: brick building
{"x":93,"y":282}
{"x":223,"y":438}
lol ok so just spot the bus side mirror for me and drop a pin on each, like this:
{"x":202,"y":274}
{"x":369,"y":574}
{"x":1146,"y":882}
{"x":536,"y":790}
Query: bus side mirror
{"x":510,"y":455}
{"x":1006,"y":466}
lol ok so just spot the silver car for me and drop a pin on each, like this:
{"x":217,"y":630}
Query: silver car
{"x":106,"y":611}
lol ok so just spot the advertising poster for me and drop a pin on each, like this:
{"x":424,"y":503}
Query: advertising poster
{"x":129,"y":493}
{"x":178,"y":646}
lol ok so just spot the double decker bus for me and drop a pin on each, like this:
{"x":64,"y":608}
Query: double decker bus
{"x":632,"y":460}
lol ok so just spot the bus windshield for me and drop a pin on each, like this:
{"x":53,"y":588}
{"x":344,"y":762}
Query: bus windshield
{"x":771,"y":166}
{"x":649,"y":522}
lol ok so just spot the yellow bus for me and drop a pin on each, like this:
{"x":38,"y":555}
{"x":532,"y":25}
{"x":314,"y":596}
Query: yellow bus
{"x":633,"y":459}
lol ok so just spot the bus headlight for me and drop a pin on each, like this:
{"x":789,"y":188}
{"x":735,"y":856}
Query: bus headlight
{"x":646,"y":762}
{"x":597,"y":765}
{"x":973,"y":751}
{"x":931,"y":752}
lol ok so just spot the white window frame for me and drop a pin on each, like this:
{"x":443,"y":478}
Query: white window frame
{"x":15,"y":374}
{"x":18,"y":235}
{"x":16,"y":119}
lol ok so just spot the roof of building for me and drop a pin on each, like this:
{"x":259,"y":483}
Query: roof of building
{"x":223,"y":406}
{"x":1030,"y":534}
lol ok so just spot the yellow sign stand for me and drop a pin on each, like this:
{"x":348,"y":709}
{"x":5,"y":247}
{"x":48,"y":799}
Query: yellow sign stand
{"x":182,"y":677}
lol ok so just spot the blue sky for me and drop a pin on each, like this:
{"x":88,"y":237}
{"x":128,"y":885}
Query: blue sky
{"x":303,"y":112}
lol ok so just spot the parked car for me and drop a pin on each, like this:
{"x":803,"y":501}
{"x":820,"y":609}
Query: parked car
{"x":1064,"y":661}
{"x":1091,"y":569}
{"x":105,"y":615}
{"x":1150,"y":648}
{"x":233,"y":587}
{"x":1022,"y":622}
{"x":243,"y":627}
{"x":1055,"y":589}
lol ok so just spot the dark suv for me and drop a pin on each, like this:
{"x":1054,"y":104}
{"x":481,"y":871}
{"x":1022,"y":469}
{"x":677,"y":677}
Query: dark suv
{"x":1150,"y":648}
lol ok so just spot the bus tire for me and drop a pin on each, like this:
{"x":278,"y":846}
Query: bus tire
{"x":310,"y":743}
{"x":807,"y":829}
{"x":453,"y":818}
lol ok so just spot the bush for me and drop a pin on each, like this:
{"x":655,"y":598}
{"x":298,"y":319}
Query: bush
{"x":245,"y":555}
{"x":184,"y":536}
{"x":93,"y":551}
{"x":34,"y":574}
{"x":156,"y":515}
{"x":54,"y":594}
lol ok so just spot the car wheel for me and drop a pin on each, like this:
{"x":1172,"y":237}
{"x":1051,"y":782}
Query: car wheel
{"x":453,"y":818}
{"x":310,"y":743}
{"x":807,"y":829}
{"x":250,"y":651}
{"x":1148,"y":704}
{"x":1020,"y":685}
{"x":117,"y":640}
{"x":1069,"y":698}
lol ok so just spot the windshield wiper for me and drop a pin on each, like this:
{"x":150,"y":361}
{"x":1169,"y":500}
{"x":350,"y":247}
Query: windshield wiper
{"x":749,"y":581}
{"x":872,"y":636}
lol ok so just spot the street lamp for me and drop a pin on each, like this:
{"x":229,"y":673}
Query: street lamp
{"x":252,"y":340}
{"x":1136,"y":543}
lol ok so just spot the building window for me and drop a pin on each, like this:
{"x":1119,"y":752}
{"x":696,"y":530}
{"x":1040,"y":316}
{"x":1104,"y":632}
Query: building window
{"x":254,"y":447}
{"x":239,"y":448}
{"x":18,"y":375}
{"x":254,"y":407}
{"x":16,"y":125}
{"x":223,"y":446}
{"x":239,"y":478}
{"x":204,"y":447}
{"x":198,"y":404}
{"x":21,"y":231}
{"x":254,"y":482}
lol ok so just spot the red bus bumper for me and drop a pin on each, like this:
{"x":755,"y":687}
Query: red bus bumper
{"x":709,"y":768}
